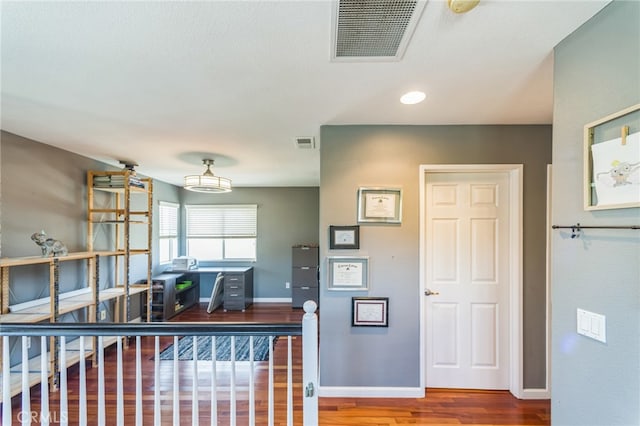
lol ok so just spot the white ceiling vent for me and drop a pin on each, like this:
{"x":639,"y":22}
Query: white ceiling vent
{"x":305,"y":142}
{"x":373,"y":30}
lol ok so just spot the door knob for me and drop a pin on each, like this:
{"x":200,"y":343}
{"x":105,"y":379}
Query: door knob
{"x":428,"y":292}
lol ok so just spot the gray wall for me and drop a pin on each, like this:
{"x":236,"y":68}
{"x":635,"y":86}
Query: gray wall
{"x":597,"y":72}
{"x":354,"y":156}
{"x":286,"y":217}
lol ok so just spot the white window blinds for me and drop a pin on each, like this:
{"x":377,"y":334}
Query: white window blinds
{"x":168,"y":223}
{"x":226,"y":221}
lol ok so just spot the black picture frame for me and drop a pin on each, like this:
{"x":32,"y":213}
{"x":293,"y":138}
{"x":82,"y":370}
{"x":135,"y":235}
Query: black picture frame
{"x":370,"y":312}
{"x":344,"y":237}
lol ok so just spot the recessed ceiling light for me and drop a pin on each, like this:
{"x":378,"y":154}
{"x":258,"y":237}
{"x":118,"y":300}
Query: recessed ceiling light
{"x":412,"y":98}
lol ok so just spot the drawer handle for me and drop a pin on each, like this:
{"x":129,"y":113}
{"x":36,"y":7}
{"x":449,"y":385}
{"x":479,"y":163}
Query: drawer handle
{"x":233,"y":286}
{"x":304,"y":267}
{"x":304,"y":288}
{"x":234,"y":295}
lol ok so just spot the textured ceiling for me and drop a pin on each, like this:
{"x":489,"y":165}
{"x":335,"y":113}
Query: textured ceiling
{"x":166,"y":84}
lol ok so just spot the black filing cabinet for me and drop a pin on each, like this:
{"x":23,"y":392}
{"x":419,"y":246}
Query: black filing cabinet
{"x":238,"y":290}
{"x":304,"y":281}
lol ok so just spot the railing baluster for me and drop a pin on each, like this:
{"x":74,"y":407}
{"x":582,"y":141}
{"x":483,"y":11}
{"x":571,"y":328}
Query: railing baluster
{"x":271,"y":407}
{"x":214,"y":383}
{"x":82,"y":391}
{"x":6,"y":381}
{"x":310,"y":364}
{"x":157,"y":412}
{"x":289,"y":383}
{"x":44,"y":382}
{"x":176,"y":384}
{"x":252,"y":395}
{"x":101,"y":408}
{"x":64,"y":403}
{"x":119,"y":387}
{"x":138,"y":383}
{"x":232,"y":401}
{"x":195,"y":413}
{"x":26,"y":396}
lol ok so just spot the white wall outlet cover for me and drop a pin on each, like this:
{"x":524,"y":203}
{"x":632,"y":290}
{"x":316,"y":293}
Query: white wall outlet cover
{"x":591,"y":325}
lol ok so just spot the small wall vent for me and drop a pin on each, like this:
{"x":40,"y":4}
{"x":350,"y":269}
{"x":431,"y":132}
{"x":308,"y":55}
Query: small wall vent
{"x":305,"y":142}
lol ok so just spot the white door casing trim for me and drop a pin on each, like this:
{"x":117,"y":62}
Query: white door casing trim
{"x":515,"y":172}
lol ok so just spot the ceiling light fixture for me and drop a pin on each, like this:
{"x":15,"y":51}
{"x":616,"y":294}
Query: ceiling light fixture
{"x":462,"y":6}
{"x":412,"y":98}
{"x":207,"y":182}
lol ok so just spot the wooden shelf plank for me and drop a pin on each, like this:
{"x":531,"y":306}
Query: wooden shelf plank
{"x":35,"y":260}
{"x":24,"y":316}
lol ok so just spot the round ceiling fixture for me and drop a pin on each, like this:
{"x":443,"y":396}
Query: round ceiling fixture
{"x":412,"y":98}
{"x":207,"y":182}
{"x":462,"y":6}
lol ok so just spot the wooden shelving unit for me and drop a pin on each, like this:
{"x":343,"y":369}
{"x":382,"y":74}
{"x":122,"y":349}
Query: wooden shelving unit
{"x":120,"y":217}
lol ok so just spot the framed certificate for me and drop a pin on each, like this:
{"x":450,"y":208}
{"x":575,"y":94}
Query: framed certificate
{"x":380,"y":205}
{"x":344,"y":237}
{"x":348,"y":273}
{"x":370,"y":312}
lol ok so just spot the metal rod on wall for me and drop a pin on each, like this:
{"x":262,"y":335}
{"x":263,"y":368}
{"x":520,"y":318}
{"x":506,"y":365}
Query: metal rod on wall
{"x":575,"y":229}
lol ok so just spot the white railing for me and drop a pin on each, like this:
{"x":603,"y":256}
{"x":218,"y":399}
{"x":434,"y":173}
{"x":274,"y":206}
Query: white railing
{"x":233,"y":384}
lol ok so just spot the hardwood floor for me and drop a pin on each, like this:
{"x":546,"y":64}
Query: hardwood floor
{"x":440,"y":406}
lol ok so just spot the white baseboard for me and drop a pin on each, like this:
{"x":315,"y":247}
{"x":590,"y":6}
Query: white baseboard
{"x":369,"y":392}
{"x":272,"y":300}
{"x":258,"y":300}
{"x":535,"y":394}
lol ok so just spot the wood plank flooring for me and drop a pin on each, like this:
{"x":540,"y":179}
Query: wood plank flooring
{"x":439,"y":407}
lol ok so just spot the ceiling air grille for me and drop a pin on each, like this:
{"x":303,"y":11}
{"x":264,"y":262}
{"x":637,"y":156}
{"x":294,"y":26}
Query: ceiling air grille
{"x":374,"y":29}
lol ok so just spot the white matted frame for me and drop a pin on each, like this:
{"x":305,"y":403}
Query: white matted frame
{"x":347,"y":273}
{"x":379,"y":205}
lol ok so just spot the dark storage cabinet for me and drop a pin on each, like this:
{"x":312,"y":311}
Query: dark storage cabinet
{"x":169,"y":297}
{"x":304,"y":281}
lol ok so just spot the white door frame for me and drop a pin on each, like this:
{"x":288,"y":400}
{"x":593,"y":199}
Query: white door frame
{"x":515,"y":261}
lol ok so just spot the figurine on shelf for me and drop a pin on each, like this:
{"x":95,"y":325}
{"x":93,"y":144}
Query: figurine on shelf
{"x":49,"y":246}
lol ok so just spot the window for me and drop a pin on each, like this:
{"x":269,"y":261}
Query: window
{"x":222,"y":232}
{"x":168,"y":232}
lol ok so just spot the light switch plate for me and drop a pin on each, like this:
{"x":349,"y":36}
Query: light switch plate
{"x":592,"y":325}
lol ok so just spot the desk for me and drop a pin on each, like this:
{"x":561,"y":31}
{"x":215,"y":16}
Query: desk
{"x":238,"y":284}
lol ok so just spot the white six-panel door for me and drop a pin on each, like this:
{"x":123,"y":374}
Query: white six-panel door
{"x":467,"y":271}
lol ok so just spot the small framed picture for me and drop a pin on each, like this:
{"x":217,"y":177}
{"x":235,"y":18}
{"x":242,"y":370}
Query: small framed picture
{"x":381,"y":205}
{"x":348,"y":273}
{"x":370,"y":312}
{"x":344,"y":237}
